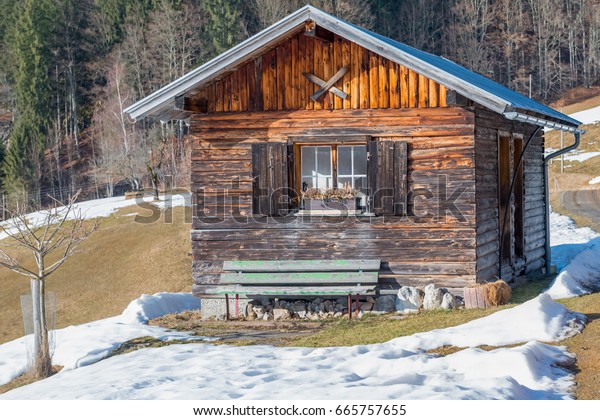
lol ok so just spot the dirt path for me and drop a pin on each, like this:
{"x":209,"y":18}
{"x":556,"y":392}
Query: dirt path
{"x":583,"y":202}
{"x":238,"y":332}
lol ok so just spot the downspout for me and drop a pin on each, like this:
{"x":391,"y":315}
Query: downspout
{"x":577,"y":135}
{"x":577,"y":132}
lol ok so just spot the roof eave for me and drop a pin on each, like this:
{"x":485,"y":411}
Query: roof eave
{"x":220,"y":64}
{"x":163,"y":99}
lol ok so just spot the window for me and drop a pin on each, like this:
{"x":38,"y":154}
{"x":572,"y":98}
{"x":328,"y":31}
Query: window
{"x":333,"y":166}
{"x":376,"y":168}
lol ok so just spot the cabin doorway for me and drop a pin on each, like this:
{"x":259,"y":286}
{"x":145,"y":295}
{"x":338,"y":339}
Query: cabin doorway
{"x":510,"y":197}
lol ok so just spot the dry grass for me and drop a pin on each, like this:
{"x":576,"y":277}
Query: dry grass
{"x":585,"y":346}
{"x":379,"y":329}
{"x":578,"y":99}
{"x":117,"y":264}
{"x":590,"y":140}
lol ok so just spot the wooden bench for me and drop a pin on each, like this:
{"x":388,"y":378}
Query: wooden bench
{"x":298,"y":278}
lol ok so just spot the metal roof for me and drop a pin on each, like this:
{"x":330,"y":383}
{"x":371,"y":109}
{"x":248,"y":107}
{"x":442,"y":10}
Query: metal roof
{"x":471,"y":85}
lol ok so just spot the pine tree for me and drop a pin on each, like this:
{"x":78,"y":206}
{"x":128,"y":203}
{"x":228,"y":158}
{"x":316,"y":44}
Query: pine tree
{"x":31,"y":35}
{"x":224,"y":24}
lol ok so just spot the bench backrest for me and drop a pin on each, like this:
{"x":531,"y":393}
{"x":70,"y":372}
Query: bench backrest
{"x":291,"y":266}
{"x":301,"y":272}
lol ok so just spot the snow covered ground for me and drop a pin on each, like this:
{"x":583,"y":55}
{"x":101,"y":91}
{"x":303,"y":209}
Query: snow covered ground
{"x":400,"y":368}
{"x":589,"y":116}
{"x":104,"y":207}
{"x":581,"y":156}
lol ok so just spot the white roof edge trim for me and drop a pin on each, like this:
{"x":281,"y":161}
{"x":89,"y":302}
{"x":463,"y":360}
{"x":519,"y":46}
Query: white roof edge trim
{"x":230,"y":57}
{"x":291,"y":23}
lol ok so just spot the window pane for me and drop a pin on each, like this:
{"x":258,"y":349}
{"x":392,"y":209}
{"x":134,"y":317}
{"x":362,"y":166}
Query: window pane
{"x":360,"y":160}
{"x":344,"y":160}
{"x":324,"y":160}
{"x":308,"y":160}
{"x":360,"y":183}
{"x":316,"y":167}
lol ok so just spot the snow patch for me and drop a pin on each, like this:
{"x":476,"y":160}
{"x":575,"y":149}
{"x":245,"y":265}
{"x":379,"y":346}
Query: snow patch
{"x":147,"y":307}
{"x":567,"y":240}
{"x":595,"y":180}
{"x":589,"y":116}
{"x":85,"y":344}
{"x":539,"y":319}
{"x":380,"y":371}
{"x":103,"y":207}
{"x":581,"y":276}
{"x":581,"y":157}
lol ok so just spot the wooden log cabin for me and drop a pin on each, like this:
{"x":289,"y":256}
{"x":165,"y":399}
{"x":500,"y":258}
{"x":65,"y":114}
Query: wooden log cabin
{"x":449,"y":165}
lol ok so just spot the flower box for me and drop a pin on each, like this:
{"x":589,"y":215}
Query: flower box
{"x":349,"y":204}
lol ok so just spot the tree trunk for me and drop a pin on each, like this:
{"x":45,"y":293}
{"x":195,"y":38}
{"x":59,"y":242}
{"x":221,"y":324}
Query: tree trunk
{"x":154,"y":176}
{"x":42,"y":363}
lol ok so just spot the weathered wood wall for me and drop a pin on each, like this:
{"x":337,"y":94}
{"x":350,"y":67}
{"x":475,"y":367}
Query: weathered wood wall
{"x":488,"y":125}
{"x":275,"y":81}
{"x":433,"y":244}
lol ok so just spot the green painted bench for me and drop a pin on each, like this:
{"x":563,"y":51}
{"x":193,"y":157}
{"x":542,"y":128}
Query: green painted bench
{"x":298,"y":278}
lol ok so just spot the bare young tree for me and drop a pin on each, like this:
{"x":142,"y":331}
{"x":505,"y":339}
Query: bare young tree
{"x":270,"y":11}
{"x":467,"y":34}
{"x":50,"y":239}
{"x":122,"y":149}
{"x":355,"y":11}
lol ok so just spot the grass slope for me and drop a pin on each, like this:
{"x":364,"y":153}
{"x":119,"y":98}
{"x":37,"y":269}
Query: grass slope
{"x":117,"y":264}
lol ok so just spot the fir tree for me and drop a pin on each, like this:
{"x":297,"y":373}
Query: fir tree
{"x":31,"y":35}
{"x":224,"y":23}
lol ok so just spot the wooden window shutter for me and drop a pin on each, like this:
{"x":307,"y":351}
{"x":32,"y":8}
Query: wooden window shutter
{"x":387,"y":173}
{"x":270,"y":195}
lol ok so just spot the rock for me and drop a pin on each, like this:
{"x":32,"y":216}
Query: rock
{"x":281,"y":314}
{"x":259,"y":311}
{"x":448,"y":301}
{"x":385,"y":303}
{"x":433,"y":297}
{"x":250,"y":314}
{"x":268,"y":316}
{"x":314,"y":316}
{"x":366,"y":306}
{"x":298,"y":306}
{"x":337,"y":315}
{"x":329,"y":305}
{"x":409,"y":300}
{"x":301,"y":314}
{"x":371,"y":299}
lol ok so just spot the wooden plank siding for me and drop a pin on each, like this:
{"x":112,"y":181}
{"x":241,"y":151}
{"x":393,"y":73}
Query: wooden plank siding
{"x":434,"y":243}
{"x":274,"y":81}
{"x":488,"y":126}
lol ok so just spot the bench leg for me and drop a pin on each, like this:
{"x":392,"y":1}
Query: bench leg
{"x":349,"y":306}
{"x":237,"y":306}
{"x":357,"y":299}
{"x":226,"y":307}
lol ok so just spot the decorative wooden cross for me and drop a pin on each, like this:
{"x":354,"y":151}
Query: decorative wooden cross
{"x":327,"y":86}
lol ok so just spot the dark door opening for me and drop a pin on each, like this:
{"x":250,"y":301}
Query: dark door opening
{"x":504,"y":196}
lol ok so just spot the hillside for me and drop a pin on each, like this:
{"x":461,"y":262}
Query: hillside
{"x":118,"y":263}
{"x":581,"y":167}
